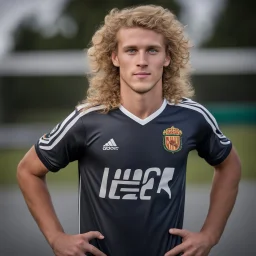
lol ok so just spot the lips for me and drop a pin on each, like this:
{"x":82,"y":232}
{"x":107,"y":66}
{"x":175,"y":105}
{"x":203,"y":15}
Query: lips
{"x":141,"y":74}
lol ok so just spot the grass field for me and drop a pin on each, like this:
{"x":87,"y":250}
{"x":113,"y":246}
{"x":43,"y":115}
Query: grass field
{"x":243,"y":138}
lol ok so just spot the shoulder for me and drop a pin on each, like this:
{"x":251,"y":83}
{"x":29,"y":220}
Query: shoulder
{"x":189,"y":104}
{"x":196,"y":109}
{"x":73,"y":122}
{"x":84,"y":110}
{"x":69,"y":128}
{"x":80,"y":111}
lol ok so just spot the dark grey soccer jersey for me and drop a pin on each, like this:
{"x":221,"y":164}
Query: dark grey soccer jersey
{"x":133,"y":171}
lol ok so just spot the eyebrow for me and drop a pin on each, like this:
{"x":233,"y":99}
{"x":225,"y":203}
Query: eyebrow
{"x":126,"y":47}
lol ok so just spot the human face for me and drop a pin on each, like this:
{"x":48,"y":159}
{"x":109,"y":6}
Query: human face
{"x":140,"y":56}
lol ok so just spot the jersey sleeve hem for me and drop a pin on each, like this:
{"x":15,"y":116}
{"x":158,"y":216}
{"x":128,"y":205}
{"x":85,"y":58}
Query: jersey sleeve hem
{"x":225,"y":155}
{"x":44,"y":161}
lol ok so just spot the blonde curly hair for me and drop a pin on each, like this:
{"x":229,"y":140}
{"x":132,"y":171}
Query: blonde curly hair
{"x":104,"y":79}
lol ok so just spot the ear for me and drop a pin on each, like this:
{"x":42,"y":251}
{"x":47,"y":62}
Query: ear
{"x":167,"y":60}
{"x":115,"y":60}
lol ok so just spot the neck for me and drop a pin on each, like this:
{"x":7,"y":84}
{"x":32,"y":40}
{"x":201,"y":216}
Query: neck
{"x":142,"y":105}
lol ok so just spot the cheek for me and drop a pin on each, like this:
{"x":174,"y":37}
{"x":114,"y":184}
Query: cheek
{"x":158,"y":63}
{"x":125,"y":66}
{"x":159,"y":66}
{"x":124,"y":72}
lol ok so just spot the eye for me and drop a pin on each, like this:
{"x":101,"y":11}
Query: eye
{"x":152,"y":51}
{"x":131,"y":51}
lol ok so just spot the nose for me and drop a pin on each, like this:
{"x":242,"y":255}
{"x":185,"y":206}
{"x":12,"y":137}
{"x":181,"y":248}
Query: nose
{"x":142,"y":60}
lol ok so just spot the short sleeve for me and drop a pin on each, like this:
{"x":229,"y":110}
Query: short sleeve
{"x":63,"y":144}
{"x":212,"y":144}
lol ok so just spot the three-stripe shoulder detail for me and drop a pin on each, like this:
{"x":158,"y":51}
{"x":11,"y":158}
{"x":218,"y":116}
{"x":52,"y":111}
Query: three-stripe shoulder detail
{"x":65,"y":126}
{"x":189,"y":104}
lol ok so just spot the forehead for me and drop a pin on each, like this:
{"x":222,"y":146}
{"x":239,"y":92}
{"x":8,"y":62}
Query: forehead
{"x":139,"y":36}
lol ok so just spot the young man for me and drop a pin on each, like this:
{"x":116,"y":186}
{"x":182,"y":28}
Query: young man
{"x":131,"y":138}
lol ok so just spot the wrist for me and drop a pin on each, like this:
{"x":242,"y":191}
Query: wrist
{"x":211,"y":238}
{"x":54,"y":237}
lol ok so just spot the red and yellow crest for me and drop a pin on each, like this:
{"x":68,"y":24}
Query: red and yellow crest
{"x":172,"y":139}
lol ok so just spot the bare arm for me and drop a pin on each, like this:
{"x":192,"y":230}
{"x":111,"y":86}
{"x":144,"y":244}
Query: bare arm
{"x":223,"y":196}
{"x":31,"y":175}
{"x":222,"y":199}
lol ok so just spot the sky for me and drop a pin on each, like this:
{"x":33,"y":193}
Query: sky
{"x":199,"y":16}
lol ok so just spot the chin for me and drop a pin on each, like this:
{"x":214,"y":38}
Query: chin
{"x":142,"y":89}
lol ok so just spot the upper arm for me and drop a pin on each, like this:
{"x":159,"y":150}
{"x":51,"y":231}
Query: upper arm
{"x":31,"y":164}
{"x":232,"y":162}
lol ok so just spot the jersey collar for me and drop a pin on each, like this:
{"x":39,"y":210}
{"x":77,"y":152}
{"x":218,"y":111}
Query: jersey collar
{"x":147,"y":119}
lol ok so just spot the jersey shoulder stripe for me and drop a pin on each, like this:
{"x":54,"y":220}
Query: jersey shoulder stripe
{"x":64,"y":127}
{"x":207,"y":112}
{"x":189,"y":104}
{"x":58,"y":128}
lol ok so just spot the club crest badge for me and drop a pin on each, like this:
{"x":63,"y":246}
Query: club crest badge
{"x":172,"y":139}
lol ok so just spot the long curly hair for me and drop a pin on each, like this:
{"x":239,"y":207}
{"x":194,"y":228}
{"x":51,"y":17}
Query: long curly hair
{"x":104,"y":78}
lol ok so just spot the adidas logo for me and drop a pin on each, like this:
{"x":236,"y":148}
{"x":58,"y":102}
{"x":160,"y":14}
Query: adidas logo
{"x":111,"y":145}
